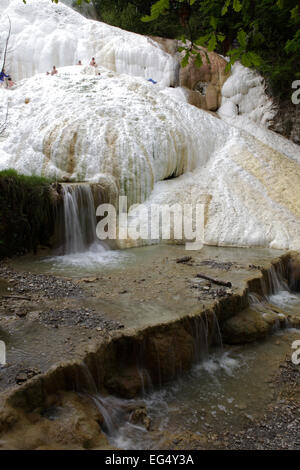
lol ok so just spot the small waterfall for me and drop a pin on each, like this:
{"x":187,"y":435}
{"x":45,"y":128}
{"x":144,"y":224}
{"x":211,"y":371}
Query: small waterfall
{"x":79,"y":214}
{"x":277,"y":280}
{"x":277,"y":296}
{"x":206,"y":332}
{"x":273,"y":283}
{"x":76,"y":241}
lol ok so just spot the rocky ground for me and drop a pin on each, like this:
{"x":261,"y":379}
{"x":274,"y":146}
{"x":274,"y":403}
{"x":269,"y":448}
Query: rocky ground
{"x":47,"y":286}
{"x":278,"y":429}
{"x":43,"y":321}
{"x":48,"y":319}
{"x":81,"y":317}
{"x":280,"y":426}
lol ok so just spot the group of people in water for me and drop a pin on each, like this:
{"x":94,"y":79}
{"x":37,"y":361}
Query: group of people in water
{"x":54,"y":70}
{"x":6,"y":80}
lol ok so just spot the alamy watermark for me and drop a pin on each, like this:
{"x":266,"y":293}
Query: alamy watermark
{"x":179,"y":222}
{"x":296,"y":94}
{"x":296,"y":354}
{"x":2,"y":353}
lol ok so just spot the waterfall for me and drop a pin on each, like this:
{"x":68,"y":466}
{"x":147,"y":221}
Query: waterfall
{"x":276,"y":296}
{"x":79,"y":214}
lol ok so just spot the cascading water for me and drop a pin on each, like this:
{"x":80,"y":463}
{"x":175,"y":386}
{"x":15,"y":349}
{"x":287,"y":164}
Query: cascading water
{"x":126,"y":421}
{"x":275,"y":292}
{"x":79,"y":215}
{"x":210,"y":389}
{"x":77,"y":241}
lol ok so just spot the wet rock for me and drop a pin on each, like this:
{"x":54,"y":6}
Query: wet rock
{"x":246,"y":327}
{"x":169,"y":354}
{"x":205,"y":81}
{"x":294,"y":272}
{"x":70,"y":422}
{"x":25,"y":375}
{"x":21,"y":313}
{"x":126,"y":383}
{"x":140,"y":416}
{"x":294,"y":321}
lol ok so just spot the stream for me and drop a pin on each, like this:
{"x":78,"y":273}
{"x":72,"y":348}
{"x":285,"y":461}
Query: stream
{"x":227,"y":388}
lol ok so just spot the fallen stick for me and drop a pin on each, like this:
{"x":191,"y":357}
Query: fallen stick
{"x":215,"y":281}
{"x":17,"y":297}
{"x":184,"y":259}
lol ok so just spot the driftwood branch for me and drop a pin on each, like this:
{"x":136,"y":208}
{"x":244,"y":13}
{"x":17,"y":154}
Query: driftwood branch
{"x":214,"y":281}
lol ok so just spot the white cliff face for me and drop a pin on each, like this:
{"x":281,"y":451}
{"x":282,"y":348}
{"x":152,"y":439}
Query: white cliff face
{"x":246,"y":105}
{"x":129,"y":135}
{"x":243,"y":94}
{"x":80,"y":126}
{"x":46,"y":34}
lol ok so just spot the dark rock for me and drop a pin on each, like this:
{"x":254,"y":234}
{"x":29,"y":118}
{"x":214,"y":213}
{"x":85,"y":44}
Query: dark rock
{"x":25,"y":375}
{"x":246,"y":327}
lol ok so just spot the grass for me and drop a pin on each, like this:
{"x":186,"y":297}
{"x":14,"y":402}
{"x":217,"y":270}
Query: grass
{"x":27,"y":212}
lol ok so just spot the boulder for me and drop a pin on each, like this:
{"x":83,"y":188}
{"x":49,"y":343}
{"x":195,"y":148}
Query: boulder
{"x":139,"y":416}
{"x":70,"y":421}
{"x":203,"y":83}
{"x":248,"y":326}
{"x":207,"y":80}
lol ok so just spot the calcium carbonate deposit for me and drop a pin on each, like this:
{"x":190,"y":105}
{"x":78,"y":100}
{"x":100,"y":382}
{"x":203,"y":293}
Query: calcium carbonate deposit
{"x":110,"y":125}
{"x":46,"y":34}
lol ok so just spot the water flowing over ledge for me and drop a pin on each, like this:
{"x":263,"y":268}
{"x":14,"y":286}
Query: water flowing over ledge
{"x":128,"y":362}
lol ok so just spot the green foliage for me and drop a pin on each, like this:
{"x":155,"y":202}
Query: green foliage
{"x":127,"y":15}
{"x":261,"y":34}
{"x":27,"y":212}
{"x":156,"y":10}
